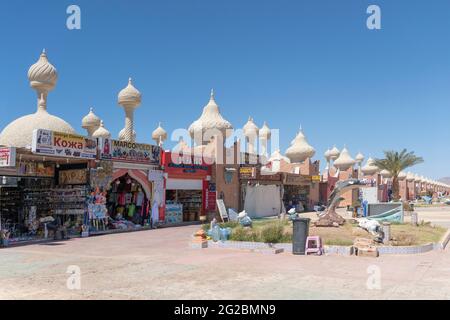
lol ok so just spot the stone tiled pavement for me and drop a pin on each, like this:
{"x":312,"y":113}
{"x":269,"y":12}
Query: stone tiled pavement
{"x":159,"y":264}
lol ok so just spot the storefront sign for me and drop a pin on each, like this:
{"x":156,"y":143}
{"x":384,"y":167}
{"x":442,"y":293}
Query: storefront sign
{"x":185,"y":166}
{"x":296,"y":179}
{"x":133,"y":152}
{"x":46,"y":142}
{"x":210,"y":196}
{"x":76,"y":176}
{"x":7,"y":157}
{"x":315,"y":178}
{"x":36,"y":169}
{"x":247,"y":173}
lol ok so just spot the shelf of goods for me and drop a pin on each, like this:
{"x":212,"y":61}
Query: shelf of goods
{"x":65,"y":201}
{"x":192,"y":204}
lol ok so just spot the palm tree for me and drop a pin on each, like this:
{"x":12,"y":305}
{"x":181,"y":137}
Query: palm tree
{"x":395,"y":162}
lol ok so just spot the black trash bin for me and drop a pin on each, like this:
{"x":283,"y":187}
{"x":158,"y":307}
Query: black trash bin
{"x":299,"y":235}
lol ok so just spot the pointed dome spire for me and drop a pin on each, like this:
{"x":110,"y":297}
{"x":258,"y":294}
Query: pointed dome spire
{"x":101,"y":132}
{"x":250,"y":128}
{"x":42,"y":75}
{"x":359,"y":158}
{"x":159,"y":135}
{"x":327,"y":155}
{"x":300,"y":149}
{"x":334,"y":153}
{"x":345,"y":161}
{"x":129,"y":96}
{"x":277,"y":156}
{"x":90,"y":120}
{"x":265,"y":132}
{"x":370,"y":168}
{"x":210,"y":120}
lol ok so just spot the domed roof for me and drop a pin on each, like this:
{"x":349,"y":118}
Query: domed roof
{"x":122,"y":135}
{"x":334,"y":153}
{"x":410,"y":176}
{"x":42,"y":75}
{"x":385,"y":173}
{"x":265,"y":132}
{"x":327,"y":155}
{"x":101,"y":132}
{"x":159,"y":134}
{"x":359,"y":157}
{"x":210,"y":120}
{"x":129,"y":96}
{"x":277,"y":156}
{"x":300,"y":149}
{"x":417,"y":178}
{"x":90,"y":120}
{"x":250,"y":128}
{"x":345,"y":161}
{"x":19,"y":133}
{"x":370,"y":168}
{"x":402,"y":175}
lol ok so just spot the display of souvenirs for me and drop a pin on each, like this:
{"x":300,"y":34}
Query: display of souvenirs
{"x":174,"y":213}
{"x":78,"y":176}
{"x":37,"y":169}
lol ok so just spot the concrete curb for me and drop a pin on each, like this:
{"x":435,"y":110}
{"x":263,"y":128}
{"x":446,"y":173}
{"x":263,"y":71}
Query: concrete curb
{"x":444,"y":240}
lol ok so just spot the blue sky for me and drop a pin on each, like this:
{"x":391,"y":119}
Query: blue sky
{"x":292,"y":63}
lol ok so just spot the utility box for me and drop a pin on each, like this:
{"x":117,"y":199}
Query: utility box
{"x":299,"y":235}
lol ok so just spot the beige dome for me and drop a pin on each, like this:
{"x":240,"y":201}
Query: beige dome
{"x":300,"y":149}
{"x":101,"y":132}
{"x":345,"y":161}
{"x":159,"y":134}
{"x":410,"y":177}
{"x":251,"y":130}
{"x":359,"y":157}
{"x":265,"y":132}
{"x":385,"y":173}
{"x":209,"y":121}
{"x":402,"y":175}
{"x":370,"y":168}
{"x":90,"y":120}
{"x":19,"y":133}
{"x":42,"y":75}
{"x":334,"y":153}
{"x":417,"y":178}
{"x":327,"y":155}
{"x":122,"y":135}
{"x":129,"y":96}
{"x":277,"y":156}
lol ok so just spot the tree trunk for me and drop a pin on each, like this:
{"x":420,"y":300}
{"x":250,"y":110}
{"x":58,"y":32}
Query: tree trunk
{"x":395,"y":189}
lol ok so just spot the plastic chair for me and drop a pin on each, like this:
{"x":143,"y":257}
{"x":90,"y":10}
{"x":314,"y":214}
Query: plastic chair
{"x":313,"y":245}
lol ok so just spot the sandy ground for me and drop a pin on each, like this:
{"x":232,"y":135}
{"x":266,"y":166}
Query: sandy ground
{"x":159,"y":264}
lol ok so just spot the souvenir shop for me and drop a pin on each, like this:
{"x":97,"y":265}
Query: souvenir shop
{"x":296,"y":191}
{"x":189,"y":192}
{"x":42,"y":196}
{"x":123,"y":192}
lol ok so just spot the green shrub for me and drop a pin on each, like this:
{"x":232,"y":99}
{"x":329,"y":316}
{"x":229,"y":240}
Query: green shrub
{"x":273,"y":233}
{"x":242,"y":234}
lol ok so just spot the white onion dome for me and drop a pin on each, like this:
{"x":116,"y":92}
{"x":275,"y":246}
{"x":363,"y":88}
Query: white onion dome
{"x":251,"y":130}
{"x":334,"y":153}
{"x":265,"y":132}
{"x":327,"y":155}
{"x":122,"y":135}
{"x":402,"y":175}
{"x":210,"y":120}
{"x":90,"y":120}
{"x":345,"y":161}
{"x":159,"y":134}
{"x":300,"y":149}
{"x":42,"y":75}
{"x":410,"y":177}
{"x":101,"y":132}
{"x":370,"y":168}
{"x":385,"y":173}
{"x":129,"y":96}
{"x":359,"y":158}
{"x":277,"y":156}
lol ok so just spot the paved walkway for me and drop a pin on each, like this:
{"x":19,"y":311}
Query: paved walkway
{"x":159,"y":264}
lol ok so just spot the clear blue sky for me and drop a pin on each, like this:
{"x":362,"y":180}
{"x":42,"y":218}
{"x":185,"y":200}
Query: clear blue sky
{"x":295,"y":62}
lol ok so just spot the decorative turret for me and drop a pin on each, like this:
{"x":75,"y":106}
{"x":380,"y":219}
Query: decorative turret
{"x":264,"y":136}
{"x":345,"y":161}
{"x":209,"y":124}
{"x":300,"y":149}
{"x":251,"y":131}
{"x":101,"y":132}
{"x":159,"y":135}
{"x":129,"y":98}
{"x":370,"y":168}
{"x":90,"y":122}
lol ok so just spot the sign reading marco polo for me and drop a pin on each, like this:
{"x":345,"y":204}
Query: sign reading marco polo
{"x":52,"y":143}
{"x":124,"y":151}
